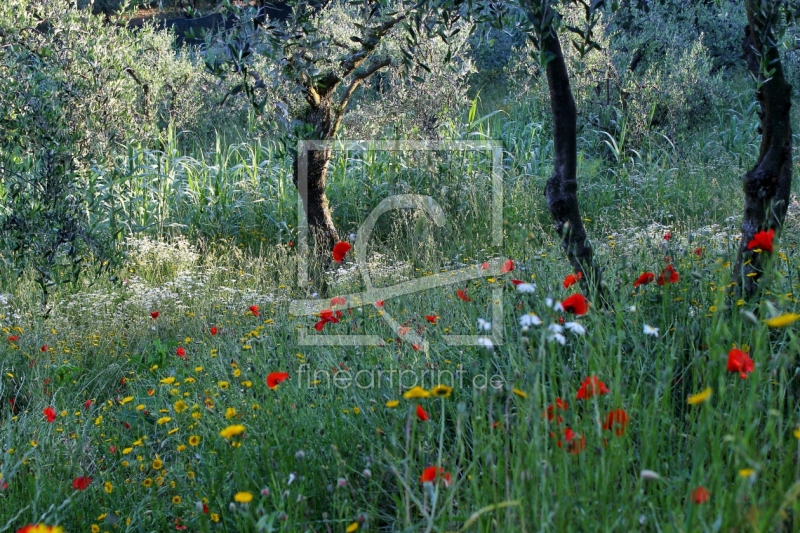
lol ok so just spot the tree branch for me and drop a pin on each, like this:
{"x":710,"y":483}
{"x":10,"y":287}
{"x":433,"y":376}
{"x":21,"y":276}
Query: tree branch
{"x":358,"y":77}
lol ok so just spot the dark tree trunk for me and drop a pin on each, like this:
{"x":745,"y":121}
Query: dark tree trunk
{"x":561,"y":190}
{"x":767,"y":185}
{"x":315,"y":202}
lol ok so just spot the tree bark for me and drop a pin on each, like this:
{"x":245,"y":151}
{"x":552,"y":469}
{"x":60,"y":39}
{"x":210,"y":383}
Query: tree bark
{"x":768,"y":184}
{"x":315,"y":202}
{"x":561,"y":190}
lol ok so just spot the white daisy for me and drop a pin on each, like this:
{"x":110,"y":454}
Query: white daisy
{"x":484,"y":325}
{"x":650,"y":330}
{"x":526,"y":287}
{"x":575,"y":327}
{"x":529,"y":319}
{"x":486,"y":343}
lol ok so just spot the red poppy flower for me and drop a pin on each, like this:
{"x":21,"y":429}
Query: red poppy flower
{"x":325,"y":316}
{"x":275,"y":378}
{"x":508,"y":266}
{"x":81,"y":482}
{"x":50,"y":414}
{"x":379,"y":304}
{"x":43,"y":348}
{"x":616,"y":421}
{"x":214,"y":330}
{"x":590,"y":387}
{"x":762,"y":240}
{"x":430,"y":474}
{"x":432,"y":318}
{"x":416,"y":347}
{"x":484,"y":266}
{"x":700,"y":495}
{"x":517,"y":281}
{"x":667,"y":236}
{"x":13,"y":338}
{"x":254,"y":310}
{"x":668,"y":275}
{"x":574,"y":445}
{"x":552,"y":410}
{"x":463,"y":295}
{"x":576,"y":304}
{"x":205,"y":508}
{"x":154,"y":314}
{"x":112,"y":449}
{"x":698,"y":252}
{"x":739,"y":361}
{"x":572,"y":279}
{"x":340,"y":250}
{"x":338,"y":300}
{"x":87,"y":404}
{"x":644,"y":279}
{"x":180,"y":352}
{"x":421,"y":414}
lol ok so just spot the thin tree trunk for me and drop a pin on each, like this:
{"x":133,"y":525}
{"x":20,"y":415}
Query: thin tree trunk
{"x":768,"y":184}
{"x":561,"y":190}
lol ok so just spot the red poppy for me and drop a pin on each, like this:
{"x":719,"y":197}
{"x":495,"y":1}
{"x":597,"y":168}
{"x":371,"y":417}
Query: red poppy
{"x":430,"y":474}
{"x":154,"y":314}
{"x":574,"y":445}
{"x":591,"y":386}
{"x":379,"y":303}
{"x":616,"y":421}
{"x":667,"y":236}
{"x":338,"y":300}
{"x":254,"y":310}
{"x":325,"y":316}
{"x":698,"y":252}
{"x":87,"y":404}
{"x":484,"y":266}
{"x":739,"y":361}
{"x":112,"y":449}
{"x":762,"y":240}
{"x":552,"y":410}
{"x":180,"y":352}
{"x":81,"y":482}
{"x":432,"y":318}
{"x":517,"y":281}
{"x":275,"y":378}
{"x":214,"y":330}
{"x":576,"y":304}
{"x":13,"y":338}
{"x":50,"y":414}
{"x":700,"y":495}
{"x":421,"y":414}
{"x":340,"y":250}
{"x":463,"y":295}
{"x":43,"y":348}
{"x":668,"y":275}
{"x":416,"y":347}
{"x":644,"y":279}
{"x":572,"y":279}
{"x":205,"y":508}
{"x":508,"y":266}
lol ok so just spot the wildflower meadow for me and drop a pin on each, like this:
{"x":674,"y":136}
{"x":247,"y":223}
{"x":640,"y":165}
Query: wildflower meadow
{"x":183,"y":348}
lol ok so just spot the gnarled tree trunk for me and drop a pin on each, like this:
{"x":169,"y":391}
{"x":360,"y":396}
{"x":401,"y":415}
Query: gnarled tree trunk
{"x":768,"y":184}
{"x":561,"y":190}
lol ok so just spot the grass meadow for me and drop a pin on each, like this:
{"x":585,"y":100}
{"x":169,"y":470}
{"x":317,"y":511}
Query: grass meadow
{"x":115,"y":419}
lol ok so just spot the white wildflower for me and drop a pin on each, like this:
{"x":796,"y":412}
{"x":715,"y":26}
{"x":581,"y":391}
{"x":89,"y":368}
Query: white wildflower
{"x":558,"y":337}
{"x":555,"y":328}
{"x":526,"y":287}
{"x":485,"y":342}
{"x":484,"y":325}
{"x":529,"y":319}
{"x":650,"y":330}
{"x":575,"y":327}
